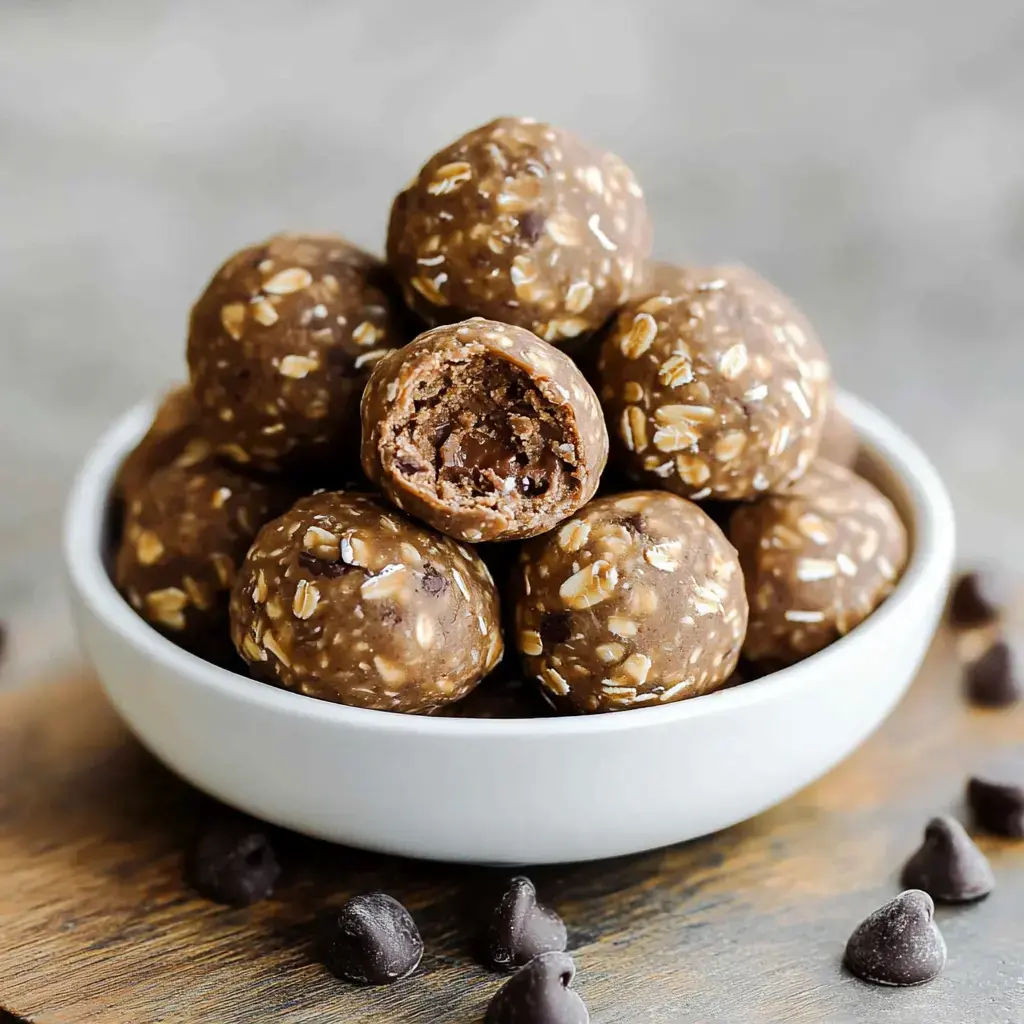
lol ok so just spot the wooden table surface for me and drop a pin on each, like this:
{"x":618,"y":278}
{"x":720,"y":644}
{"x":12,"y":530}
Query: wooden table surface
{"x":745,"y":927}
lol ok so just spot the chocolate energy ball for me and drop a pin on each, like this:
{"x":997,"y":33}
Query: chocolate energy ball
{"x":185,"y":533}
{"x":280,"y":346}
{"x":520,"y":222}
{"x":839,"y":441}
{"x":716,"y":386}
{"x":636,"y":600}
{"x":483,"y":431}
{"x":345,"y":599}
{"x":817,"y":560}
{"x":173,"y":435}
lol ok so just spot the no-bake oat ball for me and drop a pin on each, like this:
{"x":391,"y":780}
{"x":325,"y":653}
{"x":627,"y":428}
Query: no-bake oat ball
{"x":345,"y":599}
{"x":636,"y":600}
{"x":173,"y":434}
{"x":185,"y":533}
{"x":520,"y":222}
{"x":280,"y":346}
{"x":483,"y":431}
{"x":817,"y":561}
{"x":715,"y":386}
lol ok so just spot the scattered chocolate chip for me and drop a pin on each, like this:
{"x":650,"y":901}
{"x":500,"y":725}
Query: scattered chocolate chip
{"x":520,"y":928}
{"x":233,"y":862}
{"x":556,"y":627}
{"x":408,"y":467}
{"x":979,"y":597}
{"x":948,"y":866}
{"x":321,"y":567}
{"x":994,"y":680}
{"x":997,"y":806}
{"x":539,"y":993}
{"x":899,"y":944}
{"x":389,"y":613}
{"x":433,"y":581}
{"x":371,"y":940}
{"x":531,"y":224}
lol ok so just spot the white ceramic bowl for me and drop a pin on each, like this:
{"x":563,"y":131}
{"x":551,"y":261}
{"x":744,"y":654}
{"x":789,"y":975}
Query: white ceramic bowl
{"x":530,"y":791}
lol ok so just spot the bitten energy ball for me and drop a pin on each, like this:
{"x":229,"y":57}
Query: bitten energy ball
{"x":520,"y":222}
{"x":185,"y":533}
{"x":817,"y":560}
{"x":716,"y":386}
{"x":173,"y":435}
{"x":280,"y":346}
{"x":483,"y":431}
{"x":636,"y":600}
{"x":345,"y":599}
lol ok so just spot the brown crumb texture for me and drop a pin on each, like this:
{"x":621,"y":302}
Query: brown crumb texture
{"x":345,"y":599}
{"x":186,"y":531}
{"x":636,"y":600}
{"x":521,"y":222}
{"x":281,"y":344}
{"x":817,"y":560}
{"x":714,"y":385}
{"x":483,"y":431}
{"x":173,"y":435}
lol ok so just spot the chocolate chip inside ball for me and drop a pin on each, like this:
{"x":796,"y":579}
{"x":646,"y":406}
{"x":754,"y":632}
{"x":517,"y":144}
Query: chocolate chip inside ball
{"x":233,"y":862}
{"x":371,"y":940}
{"x":899,"y":944}
{"x":979,"y":597}
{"x":994,"y":679}
{"x":539,"y":993}
{"x":997,"y":806}
{"x":520,"y":928}
{"x":948,"y":866}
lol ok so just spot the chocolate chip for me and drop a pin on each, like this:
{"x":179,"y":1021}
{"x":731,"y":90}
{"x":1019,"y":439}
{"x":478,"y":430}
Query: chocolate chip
{"x":520,"y":928}
{"x":556,"y":627}
{"x":539,"y":993}
{"x":994,"y":680}
{"x":531,"y":224}
{"x":408,"y":467}
{"x":433,"y":581}
{"x":389,"y":613}
{"x":997,"y":806}
{"x":635,"y":522}
{"x":979,"y":597}
{"x":371,"y":940}
{"x":899,"y":944}
{"x":321,"y":567}
{"x":948,"y":866}
{"x":233,"y":862}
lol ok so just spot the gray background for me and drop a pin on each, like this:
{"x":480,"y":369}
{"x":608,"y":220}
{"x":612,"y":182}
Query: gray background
{"x":868,"y":156}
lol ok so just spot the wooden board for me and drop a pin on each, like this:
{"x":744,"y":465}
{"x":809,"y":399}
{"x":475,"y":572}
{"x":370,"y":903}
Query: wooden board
{"x":747,"y":926}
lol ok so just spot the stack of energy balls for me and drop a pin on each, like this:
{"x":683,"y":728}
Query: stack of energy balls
{"x":381,"y":474}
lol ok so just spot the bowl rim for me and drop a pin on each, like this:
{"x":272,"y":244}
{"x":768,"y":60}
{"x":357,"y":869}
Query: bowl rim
{"x":931,"y":556}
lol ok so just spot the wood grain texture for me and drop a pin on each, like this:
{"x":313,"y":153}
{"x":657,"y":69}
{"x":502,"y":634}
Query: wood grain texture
{"x":745,"y":926}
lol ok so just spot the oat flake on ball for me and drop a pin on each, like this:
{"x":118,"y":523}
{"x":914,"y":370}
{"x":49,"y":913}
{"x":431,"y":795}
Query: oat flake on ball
{"x":345,"y":599}
{"x":280,"y":345}
{"x":483,"y":431}
{"x":636,"y":600}
{"x":817,"y":561}
{"x":715,"y":386}
{"x":521,"y":222}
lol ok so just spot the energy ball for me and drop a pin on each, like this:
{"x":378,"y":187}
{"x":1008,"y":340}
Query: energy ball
{"x":185,"y":533}
{"x":483,"y":431}
{"x":173,"y":433}
{"x":345,"y":599}
{"x":520,"y":222}
{"x":817,"y":560}
{"x":636,"y":600}
{"x":280,"y":346}
{"x":839,"y":441}
{"x":716,"y":386}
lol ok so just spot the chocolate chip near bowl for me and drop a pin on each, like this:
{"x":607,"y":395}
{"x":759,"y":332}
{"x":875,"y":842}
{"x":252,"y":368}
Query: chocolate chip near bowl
{"x":359,"y":626}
